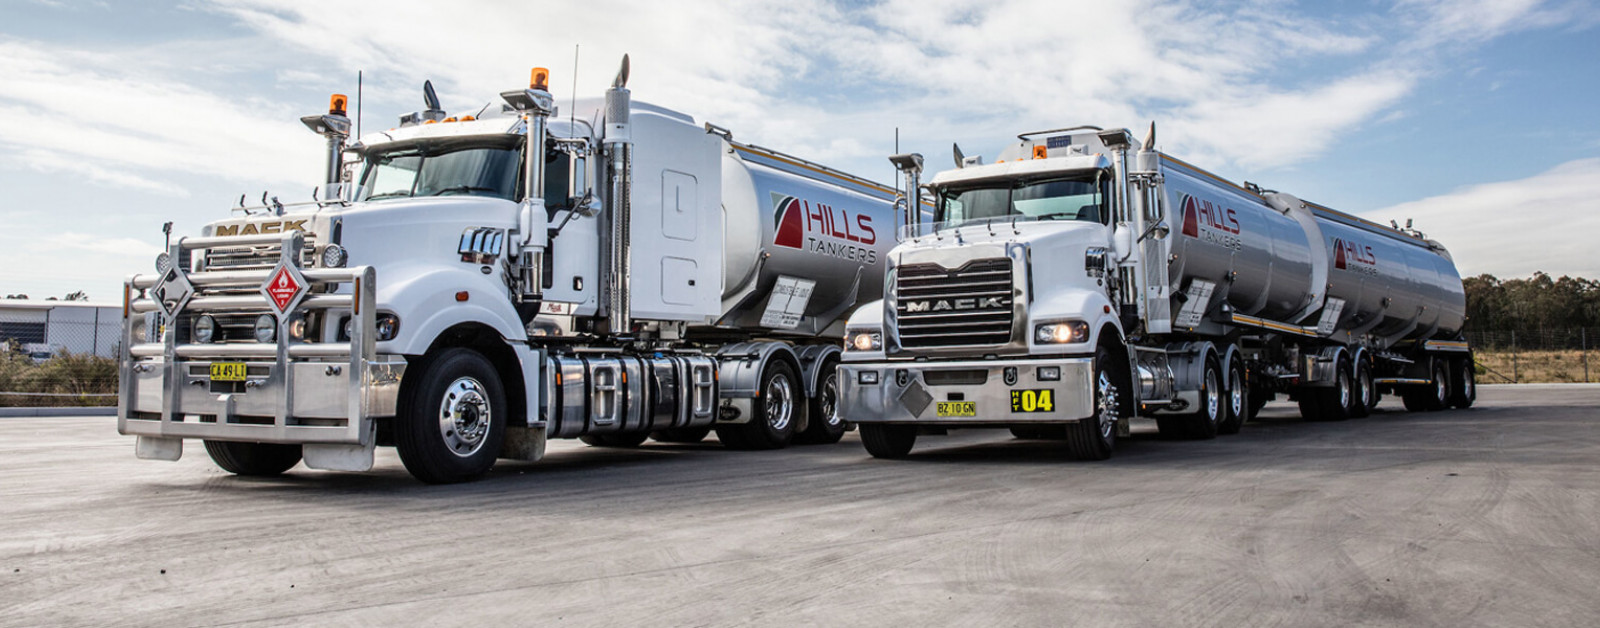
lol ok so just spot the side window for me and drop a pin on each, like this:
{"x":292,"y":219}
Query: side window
{"x":557,"y":179}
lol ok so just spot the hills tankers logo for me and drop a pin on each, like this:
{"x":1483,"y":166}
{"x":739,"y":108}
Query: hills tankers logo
{"x":1211,"y":223}
{"x":1353,"y":256}
{"x":822,"y":229}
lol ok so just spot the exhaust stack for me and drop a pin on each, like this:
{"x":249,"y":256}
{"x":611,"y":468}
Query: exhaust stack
{"x":335,"y":126}
{"x":618,"y":144}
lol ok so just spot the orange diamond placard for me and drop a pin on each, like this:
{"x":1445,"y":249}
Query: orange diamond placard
{"x":283,"y":287}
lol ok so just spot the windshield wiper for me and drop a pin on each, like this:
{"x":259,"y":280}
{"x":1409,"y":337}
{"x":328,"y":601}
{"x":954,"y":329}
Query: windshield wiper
{"x":463,"y":188}
{"x":384,"y":195}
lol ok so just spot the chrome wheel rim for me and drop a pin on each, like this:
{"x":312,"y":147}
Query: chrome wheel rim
{"x":1108,"y":405}
{"x":780,"y":402}
{"x":830,"y":400}
{"x":464,"y":416}
{"x":1467,"y":385}
{"x":1364,"y":384}
{"x":1236,"y":393}
{"x":1439,"y":390}
{"x":1213,"y":396}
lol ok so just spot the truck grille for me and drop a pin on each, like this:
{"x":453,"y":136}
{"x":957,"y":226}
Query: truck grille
{"x":971,"y":305}
{"x":256,"y":257}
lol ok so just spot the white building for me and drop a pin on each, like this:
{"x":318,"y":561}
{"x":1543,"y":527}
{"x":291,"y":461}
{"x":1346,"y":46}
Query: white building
{"x":44,"y":328}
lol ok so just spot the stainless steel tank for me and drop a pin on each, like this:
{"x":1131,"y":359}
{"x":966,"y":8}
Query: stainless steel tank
{"x":789,"y":222}
{"x":1275,"y":257}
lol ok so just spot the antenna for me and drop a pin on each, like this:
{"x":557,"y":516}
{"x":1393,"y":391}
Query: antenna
{"x":572,"y":110}
{"x":358,"y":103}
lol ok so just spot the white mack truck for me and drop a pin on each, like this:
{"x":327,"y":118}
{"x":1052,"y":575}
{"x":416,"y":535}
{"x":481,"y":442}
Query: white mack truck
{"x":1053,"y":296}
{"x":465,"y":287}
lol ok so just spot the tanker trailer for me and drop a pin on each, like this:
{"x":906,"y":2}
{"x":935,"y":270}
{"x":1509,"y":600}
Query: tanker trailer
{"x":1085,"y":279}
{"x":465,"y":287}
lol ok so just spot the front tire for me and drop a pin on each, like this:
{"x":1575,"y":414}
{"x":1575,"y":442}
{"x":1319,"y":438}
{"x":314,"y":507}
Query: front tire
{"x":777,"y":410}
{"x":253,"y":459}
{"x":451,"y":426}
{"x":888,"y":441}
{"x":1095,"y":437}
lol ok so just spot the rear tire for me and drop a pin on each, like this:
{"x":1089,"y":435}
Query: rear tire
{"x":1238,"y":404}
{"x":681,"y":434}
{"x":826,"y":424}
{"x":1338,"y":401}
{"x":777,"y":408}
{"x":451,"y":425}
{"x":253,"y":459}
{"x":1464,"y":384}
{"x":1202,"y":423}
{"x":1439,"y":394}
{"x":1365,"y":396}
{"x":888,"y":441}
{"x":628,"y":440}
{"x":1094,"y":438}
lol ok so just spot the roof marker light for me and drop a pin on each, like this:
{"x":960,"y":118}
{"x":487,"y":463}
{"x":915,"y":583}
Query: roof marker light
{"x":1040,"y":151}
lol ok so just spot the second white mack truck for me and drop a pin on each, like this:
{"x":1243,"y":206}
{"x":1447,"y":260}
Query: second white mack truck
{"x":1086,"y":278}
{"x":467,"y":286}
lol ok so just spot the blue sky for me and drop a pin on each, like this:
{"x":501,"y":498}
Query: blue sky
{"x":1479,"y":119}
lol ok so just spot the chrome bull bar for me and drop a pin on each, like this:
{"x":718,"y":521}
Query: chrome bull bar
{"x":294,"y":391}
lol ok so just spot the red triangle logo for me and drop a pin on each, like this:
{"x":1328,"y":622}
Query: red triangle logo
{"x":790,"y":232}
{"x":1338,"y":253}
{"x":282,"y":288}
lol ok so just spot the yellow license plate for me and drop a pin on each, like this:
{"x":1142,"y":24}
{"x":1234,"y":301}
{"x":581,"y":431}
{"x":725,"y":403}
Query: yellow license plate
{"x":227,"y":371}
{"x":1036,"y":400}
{"x":958,"y":408}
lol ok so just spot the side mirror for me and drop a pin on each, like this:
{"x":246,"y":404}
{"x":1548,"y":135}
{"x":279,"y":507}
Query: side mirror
{"x":1158,"y":230}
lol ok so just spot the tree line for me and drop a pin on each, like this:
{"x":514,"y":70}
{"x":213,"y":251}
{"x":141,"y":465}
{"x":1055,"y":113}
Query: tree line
{"x":1535,"y":303}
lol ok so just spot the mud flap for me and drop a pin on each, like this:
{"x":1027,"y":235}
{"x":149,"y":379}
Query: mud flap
{"x":338,"y":457}
{"x":157,"y":448}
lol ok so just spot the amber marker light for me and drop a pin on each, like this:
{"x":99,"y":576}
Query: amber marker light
{"x":462,"y":295}
{"x":1040,"y":151}
{"x":540,"y":79}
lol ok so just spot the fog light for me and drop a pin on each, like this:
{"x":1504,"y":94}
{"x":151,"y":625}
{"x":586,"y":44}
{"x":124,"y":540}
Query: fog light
{"x":266,"y":328}
{"x":205,"y":329}
{"x":867,"y":378}
{"x":1049,"y":373}
{"x":297,"y":327}
{"x":334,"y":256}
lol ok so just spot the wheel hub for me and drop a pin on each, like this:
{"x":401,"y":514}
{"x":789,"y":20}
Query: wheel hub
{"x":780,"y":403}
{"x":464,"y":416}
{"x":1108,"y":409}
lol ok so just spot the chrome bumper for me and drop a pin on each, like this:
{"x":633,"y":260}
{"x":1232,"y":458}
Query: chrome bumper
{"x":301,"y":403}
{"x":910,"y":392}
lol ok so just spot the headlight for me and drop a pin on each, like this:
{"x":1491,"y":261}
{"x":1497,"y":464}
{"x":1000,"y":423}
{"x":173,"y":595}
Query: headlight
{"x":266,"y":328}
{"x":388,"y":326}
{"x":334,"y":256}
{"x":1061,"y":333}
{"x":205,"y":329}
{"x":863,"y":340}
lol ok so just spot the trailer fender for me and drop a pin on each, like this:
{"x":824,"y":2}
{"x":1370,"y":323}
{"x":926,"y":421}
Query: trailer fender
{"x":739,"y":369}
{"x":812,"y":357}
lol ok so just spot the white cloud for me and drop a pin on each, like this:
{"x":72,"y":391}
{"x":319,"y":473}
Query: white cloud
{"x":1544,"y":223}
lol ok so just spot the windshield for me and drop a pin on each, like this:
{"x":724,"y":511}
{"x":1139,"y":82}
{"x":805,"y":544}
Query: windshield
{"x":1079,"y":197}
{"x":442,"y":169}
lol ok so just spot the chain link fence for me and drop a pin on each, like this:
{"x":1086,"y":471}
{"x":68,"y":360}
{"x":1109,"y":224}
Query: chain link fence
{"x":1537,"y":355}
{"x":56,"y":353}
